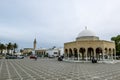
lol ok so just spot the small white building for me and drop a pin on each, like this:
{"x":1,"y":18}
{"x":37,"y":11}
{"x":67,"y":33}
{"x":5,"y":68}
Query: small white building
{"x":61,"y":51}
{"x":54,"y":52}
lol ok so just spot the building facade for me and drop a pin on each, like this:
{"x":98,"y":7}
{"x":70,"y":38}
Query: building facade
{"x":51,"y":52}
{"x":88,"y":46}
{"x":27,"y":50}
{"x":41,"y":52}
{"x":54,"y":52}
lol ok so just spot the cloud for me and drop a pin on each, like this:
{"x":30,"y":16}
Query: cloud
{"x":54,"y":22}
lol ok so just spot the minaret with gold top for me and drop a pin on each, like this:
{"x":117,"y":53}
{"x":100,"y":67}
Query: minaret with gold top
{"x":34,"y":44}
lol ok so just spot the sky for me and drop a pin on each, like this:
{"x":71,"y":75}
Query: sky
{"x":55,"y":22}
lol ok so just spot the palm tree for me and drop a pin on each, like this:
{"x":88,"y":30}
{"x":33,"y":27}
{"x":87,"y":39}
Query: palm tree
{"x":15,"y":46}
{"x":21,"y":50}
{"x":9,"y":47}
{"x":2,"y":47}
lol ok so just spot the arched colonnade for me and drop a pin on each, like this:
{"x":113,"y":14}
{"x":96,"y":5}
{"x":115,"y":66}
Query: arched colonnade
{"x":89,"y":53}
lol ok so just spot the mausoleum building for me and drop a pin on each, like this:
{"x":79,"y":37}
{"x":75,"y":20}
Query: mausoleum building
{"x":87,"y":46}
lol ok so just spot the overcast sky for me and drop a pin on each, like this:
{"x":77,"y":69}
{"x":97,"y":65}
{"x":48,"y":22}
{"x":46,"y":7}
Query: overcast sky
{"x":54,"y":22}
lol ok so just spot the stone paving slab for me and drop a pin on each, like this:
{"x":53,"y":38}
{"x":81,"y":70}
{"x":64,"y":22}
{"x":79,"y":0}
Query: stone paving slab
{"x":51,"y":69}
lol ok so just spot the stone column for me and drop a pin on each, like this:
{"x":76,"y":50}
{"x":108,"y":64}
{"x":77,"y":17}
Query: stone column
{"x":78,"y":56}
{"x":115,"y":54}
{"x":103,"y":54}
{"x":86,"y":54}
{"x":112,"y":55}
{"x":95,"y":54}
{"x":68,"y":54}
{"x":73,"y":55}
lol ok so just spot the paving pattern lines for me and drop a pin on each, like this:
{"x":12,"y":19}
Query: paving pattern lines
{"x":52,"y":69}
{"x":85,"y":74}
{"x":78,"y":73}
{"x":60,"y":71}
{"x":9,"y":75}
{"x":21,"y":78}
{"x":46,"y":71}
{"x":110,"y":75}
{"x":34,"y":72}
{"x":88,"y":72}
{"x":68,"y":71}
{"x":96,"y":72}
{"x":11,"y":72}
{"x":100,"y":72}
{"x":1,"y":63}
{"x":25,"y":75}
{"x":104,"y":72}
{"x":5,"y":72}
{"x":74,"y":72}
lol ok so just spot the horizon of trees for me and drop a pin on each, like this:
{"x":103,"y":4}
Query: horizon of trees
{"x":8,"y":47}
{"x":116,"y":39}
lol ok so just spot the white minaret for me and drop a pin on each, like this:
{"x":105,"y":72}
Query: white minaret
{"x":34,"y":44}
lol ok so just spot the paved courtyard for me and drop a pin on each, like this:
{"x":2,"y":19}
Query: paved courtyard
{"x":51,"y":69}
